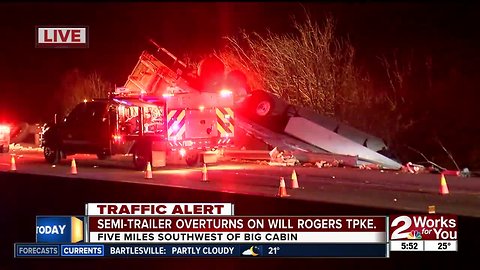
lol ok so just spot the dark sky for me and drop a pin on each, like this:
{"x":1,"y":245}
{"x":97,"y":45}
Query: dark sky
{"x":119,"y":32}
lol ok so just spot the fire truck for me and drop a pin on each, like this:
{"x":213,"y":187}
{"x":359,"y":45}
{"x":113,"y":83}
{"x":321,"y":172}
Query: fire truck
{"x":164,"y":109}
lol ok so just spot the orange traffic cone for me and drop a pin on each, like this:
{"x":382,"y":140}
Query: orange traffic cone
{"x":73,"y":169}
{"x":443,"y":185}
{"x":13,"y":166}
{"x":282,"y":191}
{"x":204,"y":173}
{"x":148,"y":172}
{"x":294,"y":180}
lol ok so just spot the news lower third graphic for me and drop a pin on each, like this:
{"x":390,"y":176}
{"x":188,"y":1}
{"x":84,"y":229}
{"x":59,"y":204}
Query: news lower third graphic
{"x":213,"y":230}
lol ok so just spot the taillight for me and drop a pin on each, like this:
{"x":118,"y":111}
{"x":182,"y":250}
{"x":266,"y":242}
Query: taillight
{"x":117,"y":138}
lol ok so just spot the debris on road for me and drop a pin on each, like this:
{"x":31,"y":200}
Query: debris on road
{"x":414,"y":168}
{"x":282,"y":158}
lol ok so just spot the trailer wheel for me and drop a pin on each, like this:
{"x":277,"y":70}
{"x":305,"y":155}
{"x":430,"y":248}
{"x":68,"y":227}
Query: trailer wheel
{"x":141,"y":156}
{"x":193,"y":159}
{"x":52,"y":154}
{"x":258,"y":106}
{"x":262,"y":104}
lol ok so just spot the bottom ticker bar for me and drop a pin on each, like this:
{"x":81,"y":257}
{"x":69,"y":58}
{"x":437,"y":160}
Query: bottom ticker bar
{"x":377,"y":250}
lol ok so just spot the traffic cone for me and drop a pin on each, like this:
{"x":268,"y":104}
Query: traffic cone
{"x":443,"y":185}
{"x":13,"y":166}
{"x":204,"y":173}
{"x":294,"y":180}
{"x":282,"y":191}
{"x":148,"y":172}
{"x":73,"y":169}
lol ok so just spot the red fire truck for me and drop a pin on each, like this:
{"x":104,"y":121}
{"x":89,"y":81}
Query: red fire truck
{"x":164,"y":108}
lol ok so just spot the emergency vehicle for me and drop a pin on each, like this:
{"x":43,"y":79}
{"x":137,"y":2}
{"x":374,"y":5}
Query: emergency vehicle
{"x":160,"y":110}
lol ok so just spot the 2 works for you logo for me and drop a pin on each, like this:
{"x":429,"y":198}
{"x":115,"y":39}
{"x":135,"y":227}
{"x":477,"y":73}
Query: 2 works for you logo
{"x":61,"y":36}
{"x":423,"y":227}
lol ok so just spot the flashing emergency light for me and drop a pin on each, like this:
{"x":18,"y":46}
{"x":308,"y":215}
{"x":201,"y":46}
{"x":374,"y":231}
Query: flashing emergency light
{"x":225,"y":93}
{"x":4,"y":129}
{"x":117,"y":138}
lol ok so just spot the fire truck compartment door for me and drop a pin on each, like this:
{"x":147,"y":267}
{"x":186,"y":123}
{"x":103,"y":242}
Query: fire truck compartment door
{"x":201,"y":123}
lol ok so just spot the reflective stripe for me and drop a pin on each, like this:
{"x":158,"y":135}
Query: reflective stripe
{"x":230,"y":112}
{"x":176,"y":124}
{"x":225,"y":125}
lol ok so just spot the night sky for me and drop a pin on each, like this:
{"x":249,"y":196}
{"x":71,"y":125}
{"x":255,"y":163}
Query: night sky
{"x":119,"y":32}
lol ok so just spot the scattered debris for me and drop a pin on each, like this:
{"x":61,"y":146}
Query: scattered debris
{"x":20,"y":147}
{"x":282,"y":158}
{"x":465,"y":172}
{"x":370,"y":167}
{"x":414,"y":168}
{"x":364,"y":167}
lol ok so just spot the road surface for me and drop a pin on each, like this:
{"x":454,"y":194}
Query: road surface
{"x":350,"y":186}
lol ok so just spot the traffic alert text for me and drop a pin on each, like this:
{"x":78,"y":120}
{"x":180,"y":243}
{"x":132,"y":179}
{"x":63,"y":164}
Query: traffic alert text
{"x":157,"y":209}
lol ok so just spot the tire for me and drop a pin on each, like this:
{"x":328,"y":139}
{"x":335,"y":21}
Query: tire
{"x":193,"y":159}
{"x":141,"y":156}
{"x":262,"y":104}
{"x":52,"y":154}
{"x":258,"y":107}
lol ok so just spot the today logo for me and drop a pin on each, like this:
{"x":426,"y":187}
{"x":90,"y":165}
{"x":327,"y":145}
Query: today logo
{"x":60,"y":229}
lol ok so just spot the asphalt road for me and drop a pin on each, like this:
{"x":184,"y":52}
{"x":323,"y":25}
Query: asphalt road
{"x":370,"y":188}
